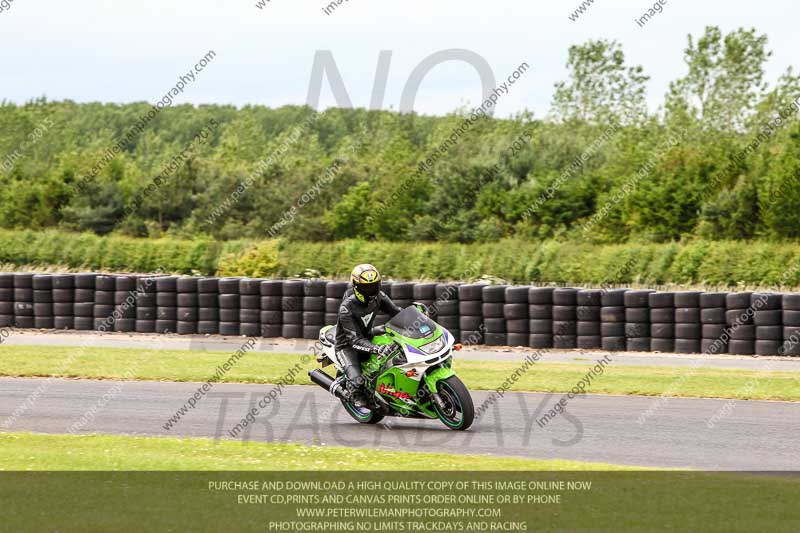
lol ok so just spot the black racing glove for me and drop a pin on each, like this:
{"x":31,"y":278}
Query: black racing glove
{"x":385,"y":349}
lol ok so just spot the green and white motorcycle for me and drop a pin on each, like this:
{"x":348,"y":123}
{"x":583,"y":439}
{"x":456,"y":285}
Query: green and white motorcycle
{"x":416,"y":380}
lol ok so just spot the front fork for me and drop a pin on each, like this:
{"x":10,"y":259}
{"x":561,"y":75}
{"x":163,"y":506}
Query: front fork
{"x":432,"y":380}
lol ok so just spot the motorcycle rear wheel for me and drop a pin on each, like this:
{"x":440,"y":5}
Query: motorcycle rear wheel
{"x":361,"y":415}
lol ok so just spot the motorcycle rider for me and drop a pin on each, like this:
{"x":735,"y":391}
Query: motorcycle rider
{"x":354,"y":326}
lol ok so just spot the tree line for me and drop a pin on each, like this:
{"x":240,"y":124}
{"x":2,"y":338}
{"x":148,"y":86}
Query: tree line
{"x":600,"y":159}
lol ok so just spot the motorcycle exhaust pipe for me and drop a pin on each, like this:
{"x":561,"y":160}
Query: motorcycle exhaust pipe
{"x":334,"y":386}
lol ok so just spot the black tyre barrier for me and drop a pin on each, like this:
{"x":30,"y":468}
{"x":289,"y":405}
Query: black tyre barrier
{"x":145,"y":313}
{"x":314,"y":303}
{"x":83,"y":323}
{"x":63,"y":309}
{"x":145,"y":299}
{"x":228,"y":301}
{"x":208,"y":314}
{"x":638,"y":344}
{"x":790,"y":317}
{"x":166,"y":313}
{"x":791,"y":340}
{"x":538,"y":317}
{"x":252,"y":316}
{"x":588,"y":329}
{"x":688,"y":331}
{"x":250,"y":329}
{"x":540,"y":326}
{"x":275,"y":303}
{"x":588,"y":342}
{"x":612,"y":314}
{"x":208,"y":285}
{"x":104,"y":297}
{"x":228,"y":328}
{"x":43,"y":322}
{"x":166,"y":299}
{"x":42,"y":296}
{"x":424,"y":291}
{"x":565,"y":313}
{"x":249,"y":301}
{"x":613,"y":298}
{"x":470,"y":307}
{"x":292,"y":331}
{"x":588,"y":313}
{"x":494,"y":339}
{"x":471,"y":337}
{"x":145,"y":326}
{"x":124,"y":283}
{"x":614,"y":344}
{"x":541,"y":340}
{"x":589,"y":298}
{"x":687,"y":345}
{"x":125,"y":325}
{"x":42,"y":282}
{"x":470,"y":323}
{"x":208,"y":299}
{"x":687,"y":299}
{"x":208,"y":327}
{"x":492,"y":310}
{"x":336,"y":289}
{"x":494,"y":294}
{"x":518,"y":311}
{"x":662,"y":331}
{"x":741,"y":347}
{"x":566,"y":296}
{"x":185,"y":299}
{"x":250,"y":287}
{"x":449,"y":322}
{"x":495,"y":325}
{"x":294,"y":318}
{"x":662,"y":345}
{"x":469,"y":292}
{"x":188,"y":314}
{"x":271,"y":317}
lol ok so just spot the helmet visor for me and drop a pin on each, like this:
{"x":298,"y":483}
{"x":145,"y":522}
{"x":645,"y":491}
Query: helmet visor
{"x":370,"y":290}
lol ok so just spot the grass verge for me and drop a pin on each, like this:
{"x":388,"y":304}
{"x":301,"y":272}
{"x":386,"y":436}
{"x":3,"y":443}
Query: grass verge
{"x":33,"y":451}
{"x":185,"y":365}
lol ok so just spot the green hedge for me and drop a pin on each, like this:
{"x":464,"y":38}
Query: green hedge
{"x":722,"y":263}
{"x":697,"y":262}
{"x":113,"y":254}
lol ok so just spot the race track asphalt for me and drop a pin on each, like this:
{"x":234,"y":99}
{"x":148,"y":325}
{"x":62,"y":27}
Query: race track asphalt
{"x":627,"y":430}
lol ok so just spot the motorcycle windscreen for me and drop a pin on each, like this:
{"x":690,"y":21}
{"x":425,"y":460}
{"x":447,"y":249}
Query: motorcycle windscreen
{"x":411,"y":323}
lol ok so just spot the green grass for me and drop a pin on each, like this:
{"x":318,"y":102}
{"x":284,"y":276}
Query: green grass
{"x":33,"y":451}
{"x":184,"y":365}
{"x":180,"y":487}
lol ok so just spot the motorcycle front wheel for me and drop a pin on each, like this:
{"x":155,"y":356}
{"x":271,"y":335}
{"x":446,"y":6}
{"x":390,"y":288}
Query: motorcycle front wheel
{"x":458,"y":411}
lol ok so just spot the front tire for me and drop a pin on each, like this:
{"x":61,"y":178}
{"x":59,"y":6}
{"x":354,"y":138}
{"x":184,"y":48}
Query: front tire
{"x":459,"y":411}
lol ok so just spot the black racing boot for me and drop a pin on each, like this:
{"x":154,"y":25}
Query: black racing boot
{"x":355,"y":386}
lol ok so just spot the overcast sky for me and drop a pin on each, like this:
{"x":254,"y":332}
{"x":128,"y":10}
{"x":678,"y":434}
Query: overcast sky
{"x":125,"y":51}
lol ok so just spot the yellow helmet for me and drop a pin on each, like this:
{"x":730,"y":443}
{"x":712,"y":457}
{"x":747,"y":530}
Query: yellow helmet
{"x":366,"y":282}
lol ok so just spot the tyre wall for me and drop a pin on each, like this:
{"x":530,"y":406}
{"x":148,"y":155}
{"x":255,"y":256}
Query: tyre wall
{"x":741,"y":323}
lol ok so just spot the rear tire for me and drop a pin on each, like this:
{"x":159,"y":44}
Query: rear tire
{"x":460,"y":412}
{"x":362,"y":415}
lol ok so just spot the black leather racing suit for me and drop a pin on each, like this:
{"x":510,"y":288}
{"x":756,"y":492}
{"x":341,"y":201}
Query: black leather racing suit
{"x":354,"y":332}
